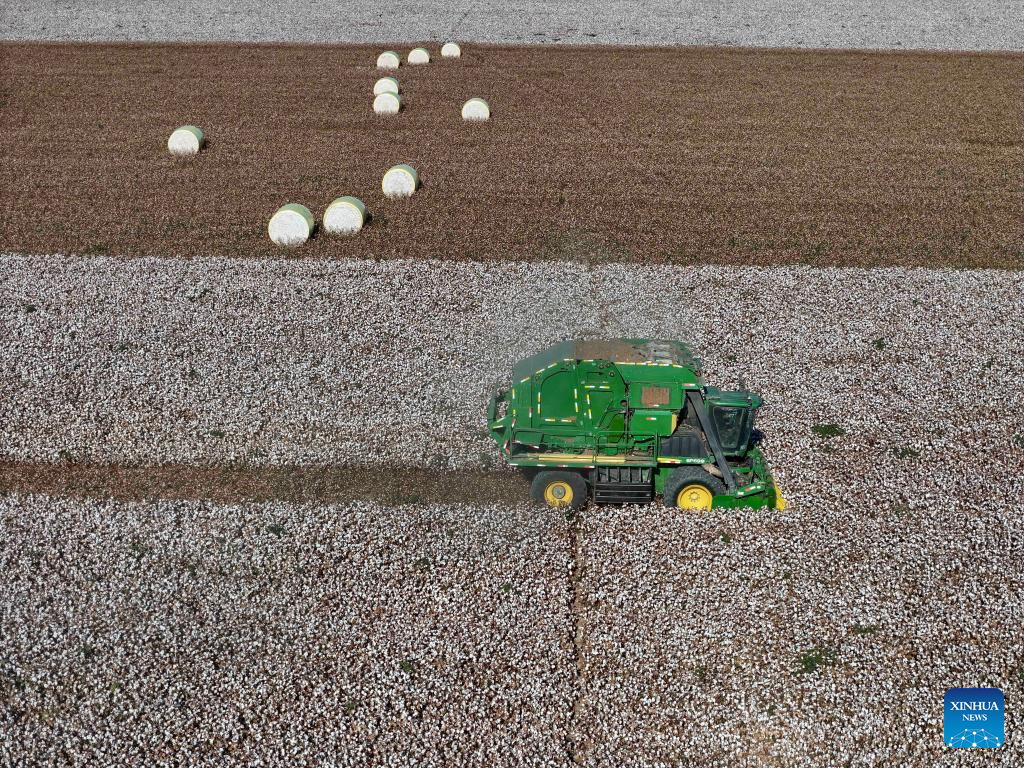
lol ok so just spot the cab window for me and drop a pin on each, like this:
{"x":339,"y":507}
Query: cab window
{"x":729,"y":422}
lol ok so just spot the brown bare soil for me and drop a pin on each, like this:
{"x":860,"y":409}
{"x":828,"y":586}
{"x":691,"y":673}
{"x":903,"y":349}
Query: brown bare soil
{"x":230,"y":484}
{"x":593,"y":154}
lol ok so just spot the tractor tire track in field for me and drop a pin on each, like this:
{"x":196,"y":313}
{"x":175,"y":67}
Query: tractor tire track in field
{"x":230,"y":484}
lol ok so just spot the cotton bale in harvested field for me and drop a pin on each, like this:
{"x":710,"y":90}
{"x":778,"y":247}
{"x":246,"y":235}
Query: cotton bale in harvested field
{"x":451,"y":51}
{"x":345,"y":215}
{"x":419,"y":56}
{"x":387,"y":104}
{"x":291,"y":225}
{"x":400,"y":181}
{"x":385,"y":85}
{"x":187,"y":140}
{"x":388,"y":60}
{"x":476,"y":109}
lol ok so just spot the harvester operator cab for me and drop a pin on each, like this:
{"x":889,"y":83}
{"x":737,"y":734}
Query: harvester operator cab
{"x":733,"y":415}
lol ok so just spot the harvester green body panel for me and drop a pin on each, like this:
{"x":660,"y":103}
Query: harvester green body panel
{"x":587,"y":405}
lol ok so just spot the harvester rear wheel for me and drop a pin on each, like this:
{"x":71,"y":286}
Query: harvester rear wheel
{"x":560,"y":490}
{"x":692,"y":489}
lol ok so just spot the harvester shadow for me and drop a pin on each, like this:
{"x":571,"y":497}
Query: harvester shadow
{"x":244,"y":483}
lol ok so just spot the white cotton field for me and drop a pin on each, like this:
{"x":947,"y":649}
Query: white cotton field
{"x":250,"y":514}
{"x":326,"y":363}
{"x":348,"y":632}
{"x":190,"y":633}
{"x":927,"y":24}
{"x":444,"y":634}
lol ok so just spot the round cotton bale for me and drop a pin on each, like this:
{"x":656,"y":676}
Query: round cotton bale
{"x":291,"y":225}
{"x":451,"y":51}
{"x":187,"y":140}
{"x":476,"y":109}
{"x":419,"y":56}
{"x":387,"y":104}
{"x":345,"y":216}
{"x":385,"y":85}
{"x":400,"y":181}
{"x":388,"y":60}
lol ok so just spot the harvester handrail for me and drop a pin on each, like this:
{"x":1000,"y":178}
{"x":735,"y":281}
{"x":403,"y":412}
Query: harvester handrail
{"x":501,"y":396}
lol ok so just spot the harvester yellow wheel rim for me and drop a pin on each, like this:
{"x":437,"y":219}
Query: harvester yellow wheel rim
{"x":694,"y":497}
{"x":558,"y":494}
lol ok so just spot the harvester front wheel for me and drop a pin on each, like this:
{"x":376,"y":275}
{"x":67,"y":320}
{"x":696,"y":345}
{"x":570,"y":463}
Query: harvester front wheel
{"x":560,"y":490}
{"x":692,"y":489}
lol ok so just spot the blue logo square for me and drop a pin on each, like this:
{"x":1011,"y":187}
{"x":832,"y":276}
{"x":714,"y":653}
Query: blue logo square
{"x":973,"y":718}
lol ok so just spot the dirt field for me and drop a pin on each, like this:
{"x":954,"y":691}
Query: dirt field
{"x":678,"y":155}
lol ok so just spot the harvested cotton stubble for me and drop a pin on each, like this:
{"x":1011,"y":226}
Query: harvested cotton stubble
{"x":451,"y":51}
{"x":388,"y":60}
{"x":187,"y":140}
{"x":476,"y":109}
{"x":419,"y":56}
{"x":291,"y":225}
{"x":345,"y":215}
{"x":387,"y":103}
{"x":400,"y":181}
{"x":385,"y":85}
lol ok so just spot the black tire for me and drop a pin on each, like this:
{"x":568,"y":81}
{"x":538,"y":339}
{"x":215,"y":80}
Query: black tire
{"x":684,"y":477}
{"x":546,"y":486}
{"x":530,"y":472}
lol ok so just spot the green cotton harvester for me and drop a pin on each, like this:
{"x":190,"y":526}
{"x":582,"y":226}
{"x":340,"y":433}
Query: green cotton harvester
{"x":621,"y":420}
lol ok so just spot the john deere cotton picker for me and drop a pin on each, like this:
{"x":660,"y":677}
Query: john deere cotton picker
{"x":622,"y":420}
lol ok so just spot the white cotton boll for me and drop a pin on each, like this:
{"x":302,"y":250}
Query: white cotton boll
{"x":291,"y":225}
{"x":187,"y":140}
{"x":400,"y":181}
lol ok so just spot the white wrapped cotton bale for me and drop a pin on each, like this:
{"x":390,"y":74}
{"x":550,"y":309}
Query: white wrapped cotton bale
{"x":387,"y":104}
{"x":476,"y":109}
{"x":385,"y":85}
{"x":187,"y":140}
{"x":400,"y":181}
{"x":419,"y":56}
{"x":451,"y":51}
{"x":388,"y":60}
{"x":291,"y":225}
{"x":345,"y":216}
